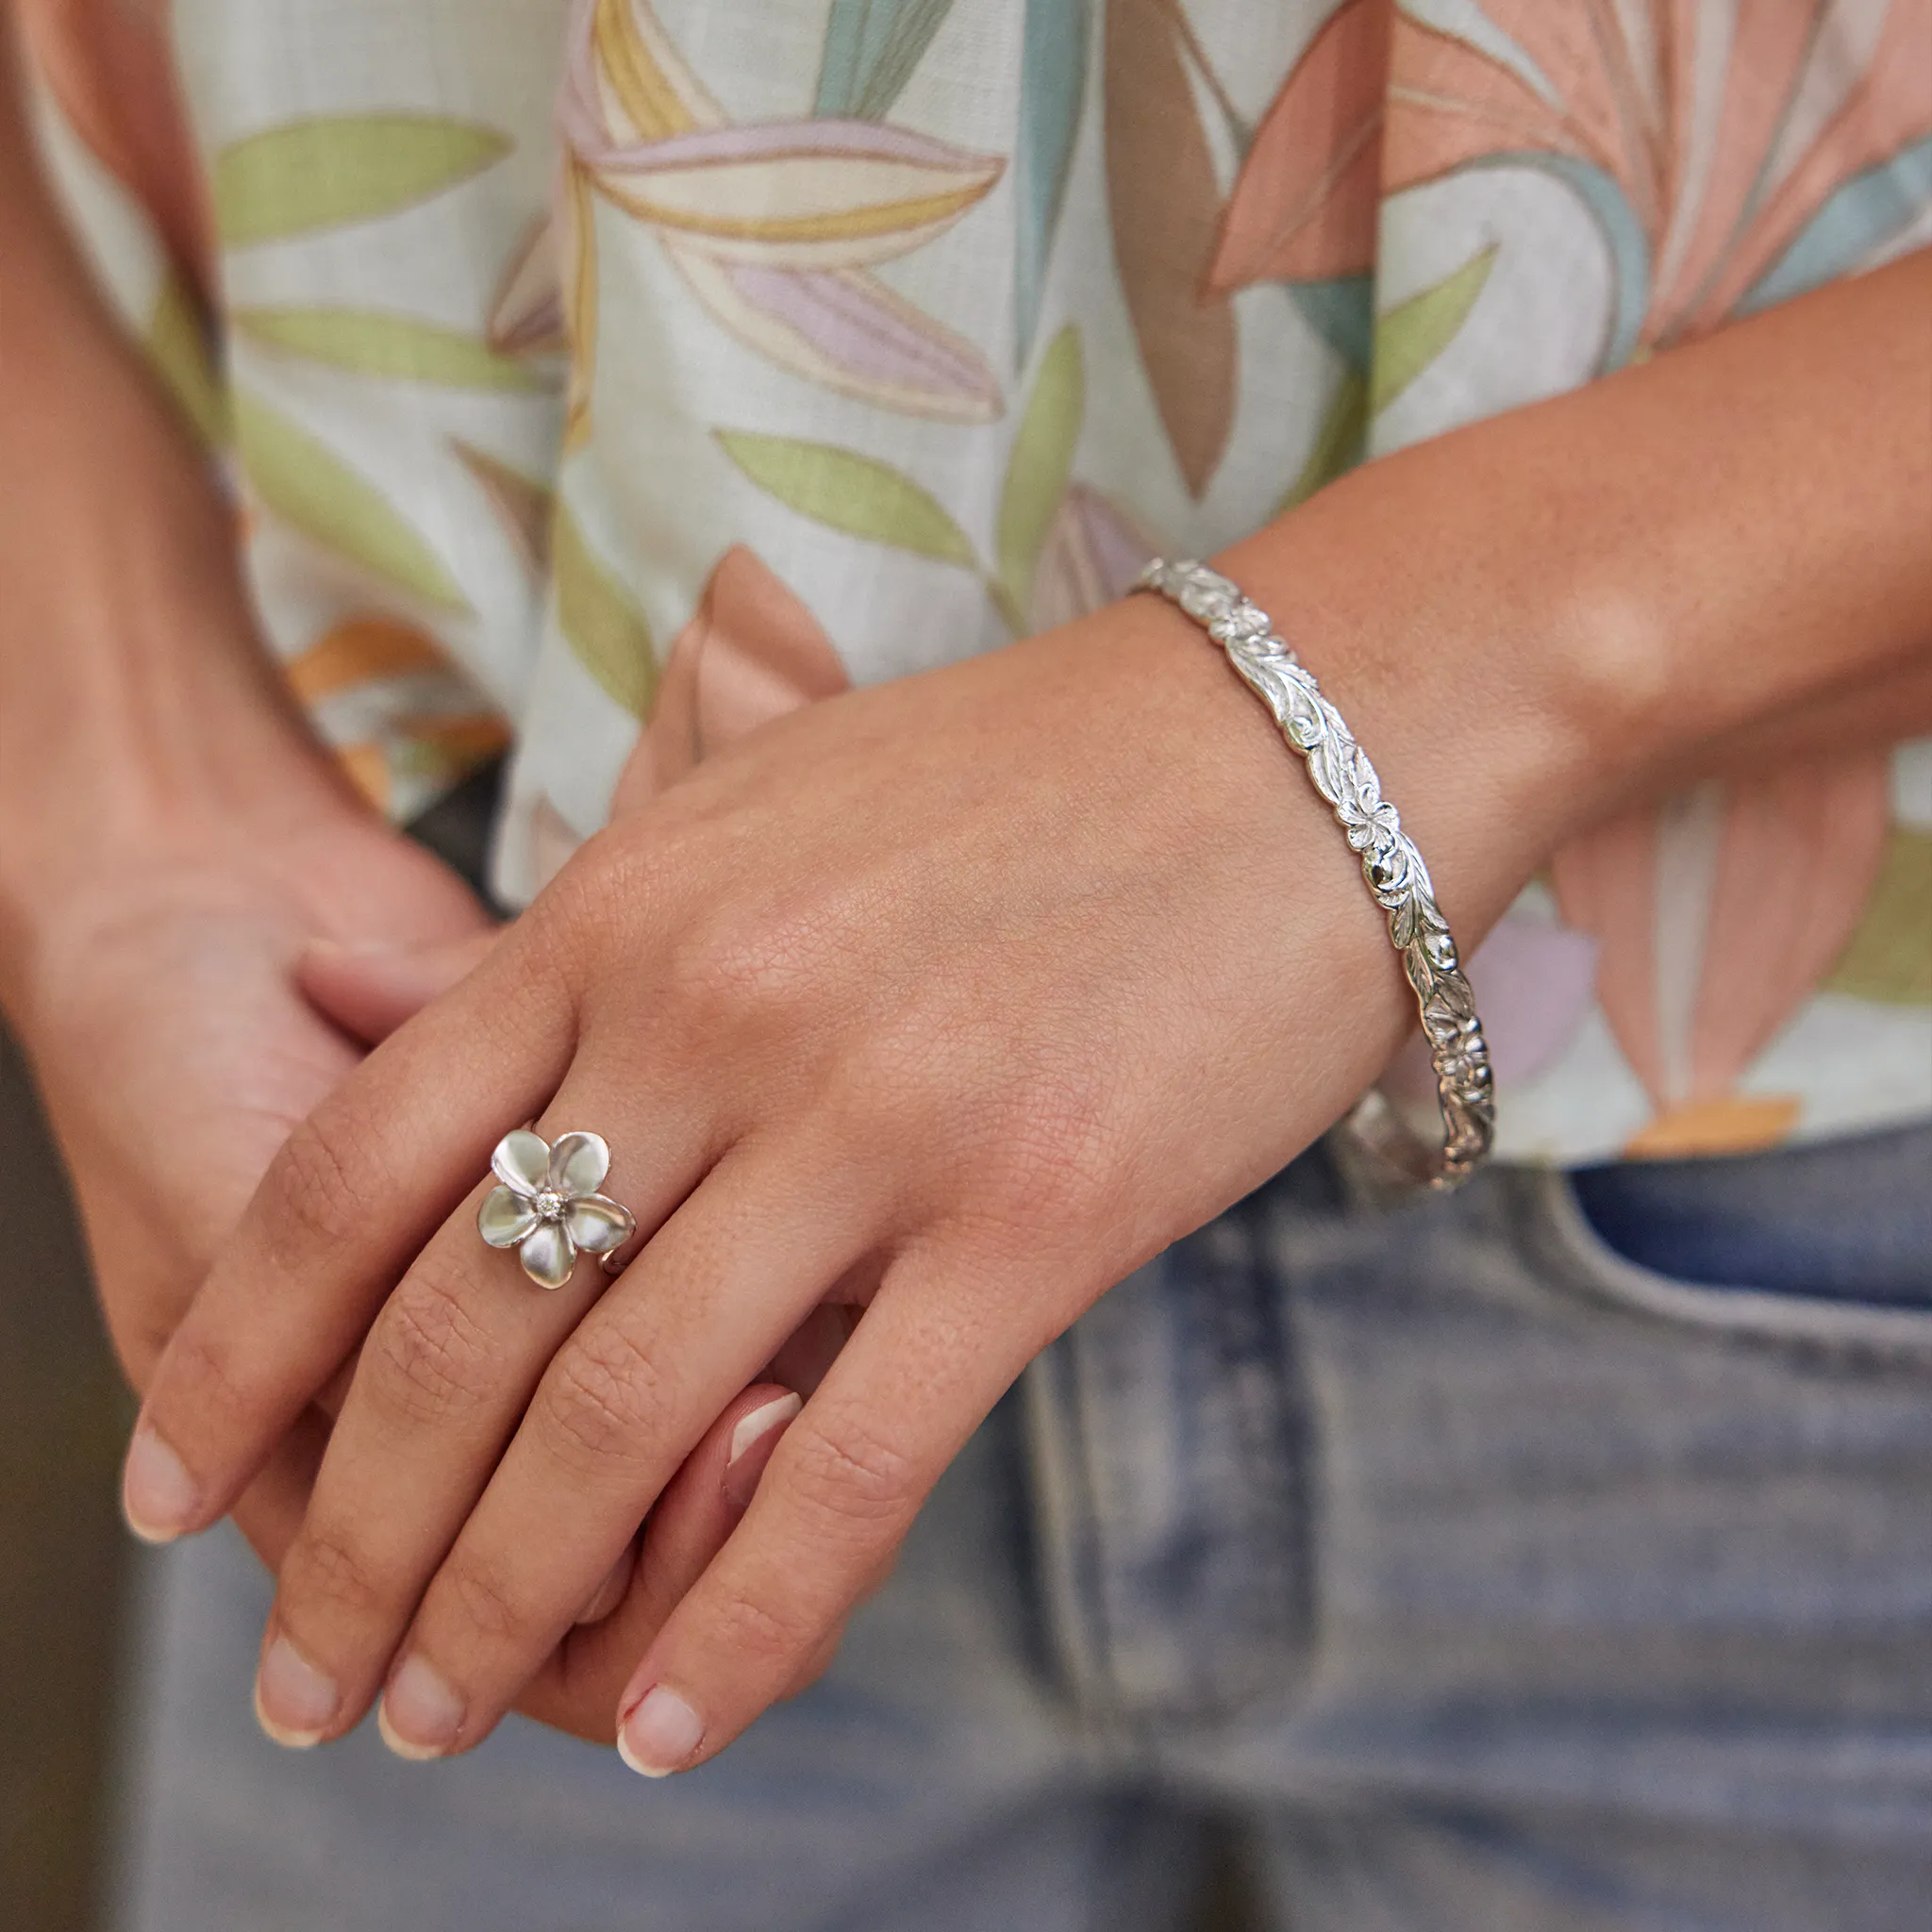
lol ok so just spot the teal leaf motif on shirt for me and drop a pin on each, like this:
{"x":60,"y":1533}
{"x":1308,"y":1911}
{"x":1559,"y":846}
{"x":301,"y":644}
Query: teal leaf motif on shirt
{"x":847,"y":491}
{"x":1410,"y":336}
{"x":872,"y":47}
{"x":1858,"y":219}
{"x":332,"y":169}
{"x":1052,"y":90}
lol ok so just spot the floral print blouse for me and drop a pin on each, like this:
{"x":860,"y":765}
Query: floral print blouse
{"x":591,"y":369}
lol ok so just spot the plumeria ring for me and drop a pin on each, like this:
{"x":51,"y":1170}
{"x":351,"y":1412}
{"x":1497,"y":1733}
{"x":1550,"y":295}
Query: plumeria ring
{"x":548,"y":1206}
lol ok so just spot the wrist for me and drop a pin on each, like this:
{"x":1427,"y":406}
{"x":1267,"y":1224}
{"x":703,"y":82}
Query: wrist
{"x":1603,"y":594}
{"x":1452,"y":668}
{"x":142,"y":716}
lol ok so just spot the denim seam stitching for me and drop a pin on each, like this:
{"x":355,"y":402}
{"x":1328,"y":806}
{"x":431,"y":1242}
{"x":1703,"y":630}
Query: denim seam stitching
{"x":1546,"y":1212}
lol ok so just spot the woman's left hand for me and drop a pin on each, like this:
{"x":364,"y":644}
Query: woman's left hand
{"x":957,"y":997}
{"x":968,"y":992}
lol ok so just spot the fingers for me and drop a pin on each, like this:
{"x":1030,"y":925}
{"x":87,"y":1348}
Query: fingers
{"x":834,"y":1503}
{"x":353,"y":1194}
{"x":627,"y":1398}
{"x":443,"y":1380}
{"x":613,"y":1590}
{"x":269,"y":1511}
{"x":575,"y":1688}
{"x":438,"y":1386}
{"x":370,"y":992}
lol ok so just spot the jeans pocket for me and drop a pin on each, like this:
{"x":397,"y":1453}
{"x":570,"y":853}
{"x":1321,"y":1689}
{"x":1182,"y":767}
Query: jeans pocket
{"x":1829,"y":1244}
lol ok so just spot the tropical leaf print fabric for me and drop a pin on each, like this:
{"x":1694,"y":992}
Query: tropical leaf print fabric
{"x":601,"y":376}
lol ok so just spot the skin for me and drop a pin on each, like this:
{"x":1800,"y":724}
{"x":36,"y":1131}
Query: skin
{"x":1112,"y":968}
{"x":182,"y":942}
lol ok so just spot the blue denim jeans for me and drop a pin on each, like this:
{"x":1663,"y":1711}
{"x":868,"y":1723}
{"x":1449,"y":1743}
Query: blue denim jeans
{"x":1475,"y":1575}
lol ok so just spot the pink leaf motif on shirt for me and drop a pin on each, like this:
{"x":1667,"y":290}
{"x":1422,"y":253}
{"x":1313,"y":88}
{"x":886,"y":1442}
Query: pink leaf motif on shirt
{"x":1164,"y":204}
{"x":1092,"y":553}
{"x":752,"y":652}
{"x":1304,"y":204}
{"x":526,"y":315}
{"x":1717,"y":912}
{"x":1719,"y":146}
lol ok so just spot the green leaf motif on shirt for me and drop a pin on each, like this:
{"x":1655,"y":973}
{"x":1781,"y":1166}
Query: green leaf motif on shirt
{"x":1411,"y":335}
{"x":1889,"y":956}
{"x":396,"y":348}
{"x":872,"y":47}
{"x":1040,"y":465}
{"x":850,"y":492}
{"x":312,"y":490}
{"x":1338,"y":445}
{"x":600,"y":621}
{"x":323,"y":172}
{"x":177,"y":347}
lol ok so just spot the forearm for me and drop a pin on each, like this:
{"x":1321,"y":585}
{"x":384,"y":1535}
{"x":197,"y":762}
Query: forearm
{"x":1716,"y":558}
{"x":139,"y":703}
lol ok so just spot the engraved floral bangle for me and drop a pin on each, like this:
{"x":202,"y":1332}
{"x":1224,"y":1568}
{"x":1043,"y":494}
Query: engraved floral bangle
{"x":1396,"y":875}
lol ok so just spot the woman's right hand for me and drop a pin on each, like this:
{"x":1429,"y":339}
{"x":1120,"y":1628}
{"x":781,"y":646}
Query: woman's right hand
{"x":158,"y":995}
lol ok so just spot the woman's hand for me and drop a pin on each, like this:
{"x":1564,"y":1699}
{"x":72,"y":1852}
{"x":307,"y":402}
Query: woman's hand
{"x":959,"y":997}
{"x":170,"y":840}
{"x":159,"y":1002}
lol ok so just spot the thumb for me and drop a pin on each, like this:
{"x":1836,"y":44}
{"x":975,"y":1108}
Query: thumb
{"x":369,"y":991}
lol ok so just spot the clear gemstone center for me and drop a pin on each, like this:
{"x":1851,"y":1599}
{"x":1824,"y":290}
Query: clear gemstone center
{"x":550,"y":1204}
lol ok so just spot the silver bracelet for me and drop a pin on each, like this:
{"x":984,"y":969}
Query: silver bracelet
{"x":1394,"y":868}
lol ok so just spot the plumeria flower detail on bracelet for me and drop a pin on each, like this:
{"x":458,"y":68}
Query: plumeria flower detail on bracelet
{"x":548,"y":1206}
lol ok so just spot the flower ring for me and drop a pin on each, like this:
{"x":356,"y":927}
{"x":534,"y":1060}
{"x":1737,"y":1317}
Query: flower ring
{"x":548,"y":1205}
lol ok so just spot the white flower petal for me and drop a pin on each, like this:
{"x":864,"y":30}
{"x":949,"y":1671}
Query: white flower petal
{"x":578,"y":1163}
{"x":598,"y":1225}
{"x":504,"y":1218}
{"x":522,"y":1161}
{"x":549,"y":1256}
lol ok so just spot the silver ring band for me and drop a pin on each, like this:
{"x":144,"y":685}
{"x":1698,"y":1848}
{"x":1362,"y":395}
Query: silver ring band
{"x":1341,"y":771}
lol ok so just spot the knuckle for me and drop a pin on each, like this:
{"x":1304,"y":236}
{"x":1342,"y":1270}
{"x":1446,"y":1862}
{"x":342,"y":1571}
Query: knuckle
{"x":848,"y":1477}
{"x":757,"y":1631}
{"x":330,"y":1566}
{"x":766,"y":964}
{"x":481,"y":1597}
{"x":206,"y":1393}
{"x":618,"y":896}
{"x":600,"y":1398}
{"x":726,"y":967}
{"x":314,"y":1195}
{"x":432,"y":1358}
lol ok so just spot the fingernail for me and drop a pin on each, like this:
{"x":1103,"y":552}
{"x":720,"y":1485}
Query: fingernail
{"x":351,"y":949}
{"x":419,"y":1716}
{"x":741,"y":1468}
{"x":157,"y":1496}
{"x":295,"y":1703}
{"x":659,"y":1734}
